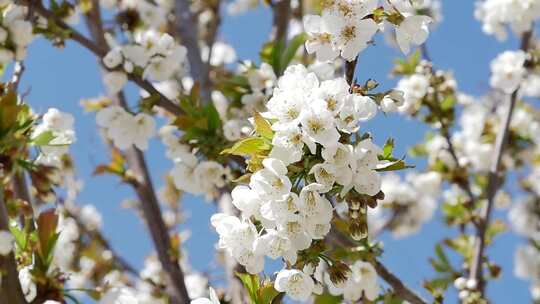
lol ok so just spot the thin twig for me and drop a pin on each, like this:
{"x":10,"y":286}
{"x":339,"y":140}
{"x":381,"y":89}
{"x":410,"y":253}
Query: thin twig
{"x":121,"y":263}
{"x":397,"y":285}
{"x":350,"y":68}
{"x":399,"y":288}
{"x":425,"y":52}
{"x":494,"y":182}
{"x":463,"y":184}
{"x":10,"y":290}
{"x":145,"y":191}
{"x":18,"y":70}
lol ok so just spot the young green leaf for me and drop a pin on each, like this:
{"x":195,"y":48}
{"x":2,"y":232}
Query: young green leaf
{"x":43,"y":138}
{"x":388,"y":148}
{"x":252,"y":285}
{"x":250,"y":146}
{"x":290,"y":51}
{"x":263,"y":127}
{"x":394,"y":166}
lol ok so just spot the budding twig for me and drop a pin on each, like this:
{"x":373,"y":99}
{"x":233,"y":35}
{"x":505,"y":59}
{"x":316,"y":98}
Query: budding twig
{"x":145,"y":191}
{"x":494,"y":182}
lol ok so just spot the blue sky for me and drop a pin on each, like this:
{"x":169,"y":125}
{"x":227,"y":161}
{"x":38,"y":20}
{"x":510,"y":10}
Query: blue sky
{"x":62,"y":77}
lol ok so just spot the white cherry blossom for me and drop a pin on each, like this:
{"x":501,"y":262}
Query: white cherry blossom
{"x":295,"y":283}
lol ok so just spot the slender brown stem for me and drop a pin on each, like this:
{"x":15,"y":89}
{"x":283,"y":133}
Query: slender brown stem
{"x":187,"y":28}
{"x":121,"y":263}
{"x":146,"y":192}
{"x":10,"y":290}
{"x":18,"y":70}
{"x":494,"y":183}
{"x":282,"y":15}
{"x":463,"y":184}
{"x":350,"y":68}
{"x":397,"y":285}
{"x":400,"y":289}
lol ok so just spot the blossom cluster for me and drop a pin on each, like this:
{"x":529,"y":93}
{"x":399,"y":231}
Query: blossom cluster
{"x":261,"y":81}
{"x":497,"y":15}
{"x":527,"y":267}
{"x":156,"y":54}
{"x":16,"y":32}
{"x":422,"y":83}
{"x":126,"y":129}
{"x":412,"y":202}
{"x":58,"y":133}
{"x":282,"y":210}
{"x":508,"y":71}
{"x":362,"y":281}
{"x":346,"y":27}
{"x":189,"y":174}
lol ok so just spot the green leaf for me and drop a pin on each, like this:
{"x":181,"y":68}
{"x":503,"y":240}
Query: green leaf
{"x":455,"y":213}
{"x":214,"y":121}
{"x":43,"y":138}
{"x":251,"y":283}
{"x":394,"y":166}
{"x":438,"y":285}
{"x":149,"y":102}
{"x":441,"y":263}
{"x":263,"y":127}
{"x":271,"y":54}
{"x":20,"y":236}
{"x":496,"y":227}
{"x":267,"y":293}
{"x":187,"y":106}
{"x":250,"y":146}
{"x":439,"y":251}
{"x":50,"y":248}
{"x":290,"y":51}
{"x":407,"y":66}
{"x":388,"y":148}
{"x":448,"y":102}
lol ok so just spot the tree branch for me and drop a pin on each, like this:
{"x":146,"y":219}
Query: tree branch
{"x":10,"y":290}
{"x":494,"y":182}
{"x":350,"y":68}
{"x":399,"y":288}
{"x":187,"y":28}
{"x":121,"y":263}
{"x":145,"y":191}
{"x":282,"y":14}
{"x":464,"y":185}
{"x":18,"y":70}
